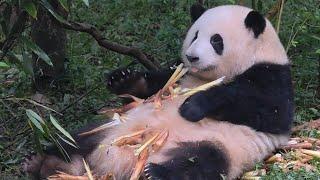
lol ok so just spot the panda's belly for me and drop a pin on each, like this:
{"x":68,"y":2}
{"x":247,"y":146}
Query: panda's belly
{"x":243,"y":146}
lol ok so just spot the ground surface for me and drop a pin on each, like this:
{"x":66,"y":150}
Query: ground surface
{"x":156,"y":27}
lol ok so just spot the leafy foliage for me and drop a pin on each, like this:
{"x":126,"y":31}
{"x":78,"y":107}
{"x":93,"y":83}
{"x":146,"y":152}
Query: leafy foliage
{"x":43,"y":132}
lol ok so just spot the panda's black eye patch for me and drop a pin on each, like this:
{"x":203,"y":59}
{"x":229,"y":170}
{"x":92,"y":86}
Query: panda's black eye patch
{"x":217,"y":43}
{"x":195,"y":37}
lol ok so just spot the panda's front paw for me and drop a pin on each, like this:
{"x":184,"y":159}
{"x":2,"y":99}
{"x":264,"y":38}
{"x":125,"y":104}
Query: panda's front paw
{"x":194,"y":108}
{"x":124,"y":81}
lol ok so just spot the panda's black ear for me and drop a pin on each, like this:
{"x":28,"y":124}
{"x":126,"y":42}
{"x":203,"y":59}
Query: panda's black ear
{"x":196,"y":11}
{"x":255,"y":22}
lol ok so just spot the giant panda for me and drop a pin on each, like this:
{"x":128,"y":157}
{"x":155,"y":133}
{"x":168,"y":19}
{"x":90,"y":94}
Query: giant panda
{"x":214,"y":134}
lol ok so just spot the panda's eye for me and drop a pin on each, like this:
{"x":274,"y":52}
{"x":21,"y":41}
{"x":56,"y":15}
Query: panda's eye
{"x":195,"y":37}
{"x":217,"y":43}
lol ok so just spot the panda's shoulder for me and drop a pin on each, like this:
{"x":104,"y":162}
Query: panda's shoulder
{"x":266,"y":71}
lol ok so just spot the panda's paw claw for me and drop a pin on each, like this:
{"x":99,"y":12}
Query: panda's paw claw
{"x":119,"y":80}
{"x":155,"y":172}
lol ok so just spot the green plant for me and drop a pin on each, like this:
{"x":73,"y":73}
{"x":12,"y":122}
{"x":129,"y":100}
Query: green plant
{"x":44,"y":133}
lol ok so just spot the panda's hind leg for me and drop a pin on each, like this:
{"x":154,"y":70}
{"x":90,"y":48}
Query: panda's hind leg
{"x":42,"y":166}
{"x":191,"y":160}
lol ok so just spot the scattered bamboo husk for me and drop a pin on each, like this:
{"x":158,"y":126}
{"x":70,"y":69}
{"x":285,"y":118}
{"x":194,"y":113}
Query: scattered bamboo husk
{"x":275,"y":158}
{"x":110,"y":111}
{"x":159,"y":142}
{"x":142,"y":159}
{"x":303,"y":145}
{"x":311,"y":153}
{"x":259,"y":172}
{"x":315,"y":124}
{"x":129,"y":138}
{"x":298,"y":153}
{"x":116,"y":120}
{"x":203,"y":87}
{"x":87,"y":168}
{"x":251,"y":178}
{"x":64,"y":176}
{"x":146,"y":144}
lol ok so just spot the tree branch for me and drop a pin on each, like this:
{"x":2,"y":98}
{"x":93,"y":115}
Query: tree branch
{"x":201,"y":2}
{"x":149,"y":63}
{"x":240,"y":2}
{"x":274,"y":10}
{"x":16,"y":30}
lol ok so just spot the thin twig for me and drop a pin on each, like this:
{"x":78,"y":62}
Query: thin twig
{"x":9,"y":109}
{"x":201,"y":2}
{"x":16,"y":31}
{"x":240,"y":2}
{"x":34,"y":103}
{"x":307,"y":125}
{"x":293,"y":36}
{"x":143,"y":58}
{"x":81,"y":97}
{"x":274,"y":10}
{"x":280,"y":15}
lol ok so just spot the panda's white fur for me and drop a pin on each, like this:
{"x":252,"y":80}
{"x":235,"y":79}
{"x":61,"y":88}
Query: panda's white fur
{"x":243,"y":146}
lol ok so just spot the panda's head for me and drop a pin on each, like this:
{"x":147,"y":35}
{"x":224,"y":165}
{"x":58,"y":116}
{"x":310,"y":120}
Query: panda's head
{"x":227,"y":40}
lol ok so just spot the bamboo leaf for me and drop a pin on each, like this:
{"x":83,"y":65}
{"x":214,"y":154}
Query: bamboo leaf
{"x":316,"y":37}
{"x":63,"y":131}
{"x":35,"y":119}
{"x":30,"y":7}
{"x":3,"y":65}
{"x":27,"y":64}
{"x":64,"y":4}
{"x":47,"y":5}
{"x":37,"y":50}
{"x":68,"y":142}
{"x":86,"y":2}
{"x":61,"y":149}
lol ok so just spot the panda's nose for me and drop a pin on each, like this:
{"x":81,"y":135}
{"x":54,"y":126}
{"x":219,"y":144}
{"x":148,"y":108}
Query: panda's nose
{"x":192,"y":58}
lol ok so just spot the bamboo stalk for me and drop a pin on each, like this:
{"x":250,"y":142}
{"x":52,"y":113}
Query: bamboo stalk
{"x":146,"y":144}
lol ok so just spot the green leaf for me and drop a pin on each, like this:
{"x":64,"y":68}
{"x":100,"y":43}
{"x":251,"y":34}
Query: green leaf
{"x":47,"y":5}
{"x":86,"y":2}
{"x":68,"y":142}
{"x":5,"y":20}
{"x":35,"y":115}
{"x":3,"y":65}
{"x":64,"y":4}
{"x":30,"y":7}
{"x":27,"y":64}
{"x":63,"y":131}
{"x":37,"y":50}
{"x":318,"y":51}
{"x":35,"y":119}
{"x":60,"y":148}
{"x":316,"y":37}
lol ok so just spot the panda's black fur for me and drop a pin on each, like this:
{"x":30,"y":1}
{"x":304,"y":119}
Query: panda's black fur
{"x":195,"y":160}
{"x":256,"y":104}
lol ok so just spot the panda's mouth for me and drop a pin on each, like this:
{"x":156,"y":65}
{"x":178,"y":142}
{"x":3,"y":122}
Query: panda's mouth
{"x":202,"y":69}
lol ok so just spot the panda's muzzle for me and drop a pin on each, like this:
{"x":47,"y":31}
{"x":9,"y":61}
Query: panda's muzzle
{"x":192,"y":58}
